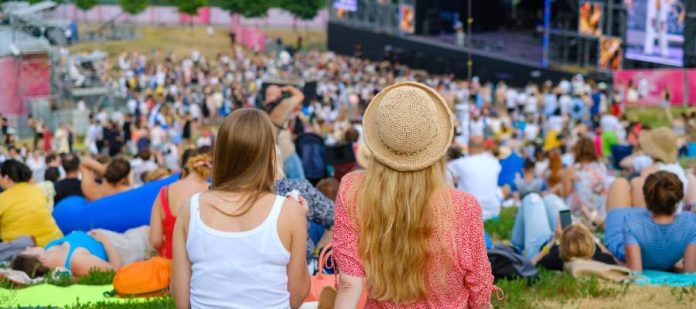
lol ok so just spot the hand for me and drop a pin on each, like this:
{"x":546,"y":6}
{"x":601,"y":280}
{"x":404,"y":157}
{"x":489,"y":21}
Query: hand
{"x":98,"y":236}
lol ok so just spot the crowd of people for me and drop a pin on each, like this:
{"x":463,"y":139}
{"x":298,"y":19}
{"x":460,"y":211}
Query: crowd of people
{"x":431,"y":158}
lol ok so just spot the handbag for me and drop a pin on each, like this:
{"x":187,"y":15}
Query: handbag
{"x":323,"y":286}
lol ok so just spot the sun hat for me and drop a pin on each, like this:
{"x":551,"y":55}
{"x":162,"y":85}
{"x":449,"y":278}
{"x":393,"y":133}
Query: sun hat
{"x":408,"y":126}
{"x":660,"y":143}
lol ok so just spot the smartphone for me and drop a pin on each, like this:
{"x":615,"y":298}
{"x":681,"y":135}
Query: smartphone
{"x":565,"y":218}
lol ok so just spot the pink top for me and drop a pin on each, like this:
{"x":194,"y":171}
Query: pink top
{"x":469,"y":283}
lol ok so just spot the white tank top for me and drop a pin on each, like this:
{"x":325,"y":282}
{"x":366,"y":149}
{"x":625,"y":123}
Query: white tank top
{"x":238,"y":269}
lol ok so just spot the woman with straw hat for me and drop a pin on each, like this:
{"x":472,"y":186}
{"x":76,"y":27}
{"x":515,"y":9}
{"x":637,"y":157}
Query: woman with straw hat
{"x":399,"y":231}
{"x":661,"y":145}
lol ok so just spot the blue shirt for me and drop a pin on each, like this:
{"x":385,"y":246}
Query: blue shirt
{"x":661,"y":245}
{"x":509,"y":167}
{"x":79,"y":239}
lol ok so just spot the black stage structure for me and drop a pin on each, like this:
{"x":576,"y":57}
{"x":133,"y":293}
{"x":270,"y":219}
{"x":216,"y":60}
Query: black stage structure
{"x":533,"y":40}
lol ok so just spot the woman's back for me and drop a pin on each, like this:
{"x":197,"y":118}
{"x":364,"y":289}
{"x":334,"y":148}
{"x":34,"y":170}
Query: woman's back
{"x":468,"y":278}
{"x":589,"y":187}
{"x":24,"y":211}
{"x":661,"y":245}
{"x":238,"y":262}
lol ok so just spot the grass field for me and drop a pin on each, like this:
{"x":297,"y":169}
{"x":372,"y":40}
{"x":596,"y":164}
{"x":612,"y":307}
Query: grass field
{"x":181,"y":40}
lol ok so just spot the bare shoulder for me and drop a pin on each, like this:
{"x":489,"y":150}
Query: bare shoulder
{"x":292,"y":211}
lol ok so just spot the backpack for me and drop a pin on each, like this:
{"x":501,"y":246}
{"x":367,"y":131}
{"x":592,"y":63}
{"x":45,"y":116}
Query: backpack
{"x":506,"y":263}
{"x":143,"y":279}
{"x":311,"y":149}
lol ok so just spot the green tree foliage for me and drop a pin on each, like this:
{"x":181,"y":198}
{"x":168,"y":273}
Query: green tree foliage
{"x":133,"y":7}
{"x":302,"y":9}
{"x":85,"y":5}
{"x":190,"y":7}
{"x":249,"y":8}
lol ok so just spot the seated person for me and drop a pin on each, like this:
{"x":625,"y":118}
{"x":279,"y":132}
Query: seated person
{"x":661,"y":146}
{"x":537,"y":231}
{"x":71,"y":184}
{"x":655,"y":238}
{"x":24,"y":209}
{"x":82,"y":252}
{"x":116,"y":177}
{"x":527,"y":182}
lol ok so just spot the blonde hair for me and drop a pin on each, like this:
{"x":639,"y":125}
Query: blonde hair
{"x":244,"y":156}
{"x":199,"y":164}
{"x":398,"y":221}
{"x":576,"y":242}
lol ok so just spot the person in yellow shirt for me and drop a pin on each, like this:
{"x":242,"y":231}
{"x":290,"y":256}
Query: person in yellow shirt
{"x":23,"y":206}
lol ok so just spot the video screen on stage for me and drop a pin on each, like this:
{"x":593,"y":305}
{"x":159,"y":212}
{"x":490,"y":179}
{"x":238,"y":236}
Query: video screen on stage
{"x":406,"y":18}
{"x":610,"y":53}
{"x":655,"y":31}
{"x":590,"y":19}
{"x":346,"y":5}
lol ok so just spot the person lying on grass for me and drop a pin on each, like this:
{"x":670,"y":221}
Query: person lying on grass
{"x":656,"y":237}
{"x":81,"y":252}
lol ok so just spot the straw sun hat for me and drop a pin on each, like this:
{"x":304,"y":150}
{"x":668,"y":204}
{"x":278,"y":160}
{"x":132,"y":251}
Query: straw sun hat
{"x":660,"y":143}
{"x":408,"y":126}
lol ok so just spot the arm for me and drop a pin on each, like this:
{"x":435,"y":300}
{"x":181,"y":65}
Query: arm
{"x":111,"y":254}
{"x":156,"y":233}
{"x":281,"y":113}
{"x":633,"y":258}
{"x":349,"y":290}
{"x":298,"y":276}
{"x":83,"y":262}
{"x":93,"y":165}
{"x":479,"y":279}
{"x":690,"y":259}
{"x":181,"y":265}
{"x":90,"y":188}
{"x":345,"y":250}
{"x":568,"y":181}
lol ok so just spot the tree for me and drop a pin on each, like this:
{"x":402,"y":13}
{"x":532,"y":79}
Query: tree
{"x":302,"y":9}
{"x":85,"y":5}
{"x":249,"y":8}
{"x":190,"y":7}
{"x":133,"y":7}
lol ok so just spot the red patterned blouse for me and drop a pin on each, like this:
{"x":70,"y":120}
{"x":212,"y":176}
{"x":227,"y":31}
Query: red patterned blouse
{"x":468,"y":284}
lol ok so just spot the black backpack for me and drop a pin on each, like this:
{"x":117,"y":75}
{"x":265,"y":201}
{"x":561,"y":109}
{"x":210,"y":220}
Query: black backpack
{"x":506,"y":263}
{"x":311,"y":149}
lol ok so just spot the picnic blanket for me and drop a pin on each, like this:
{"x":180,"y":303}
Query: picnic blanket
{"x":44,"y":295}
{"x":653,"y":277}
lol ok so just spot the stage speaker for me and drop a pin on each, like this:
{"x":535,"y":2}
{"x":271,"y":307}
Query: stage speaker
{"x":690,"y":35}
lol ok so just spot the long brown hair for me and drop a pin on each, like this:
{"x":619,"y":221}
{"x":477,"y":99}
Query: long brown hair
{"x":244,"y":156}
{"x":555,"y":167}
{"x":584,"y":151}
{"x":398,"y":214}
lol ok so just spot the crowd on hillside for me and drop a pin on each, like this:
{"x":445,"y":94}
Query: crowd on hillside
{"x":241,"y":125}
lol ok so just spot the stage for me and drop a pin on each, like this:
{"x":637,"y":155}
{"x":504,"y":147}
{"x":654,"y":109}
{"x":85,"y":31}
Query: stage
{"x":510,"y":56}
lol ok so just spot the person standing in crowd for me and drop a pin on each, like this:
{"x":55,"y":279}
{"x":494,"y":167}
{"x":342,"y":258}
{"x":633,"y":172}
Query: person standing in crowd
{"x":71,"y":184}
{"x":280,"y":108}
{"x":23,"y":206}
{"x":239,"y":222}
{"x":194,"y":179}
{"x":477,"y":174}
{"x":414,"y":218}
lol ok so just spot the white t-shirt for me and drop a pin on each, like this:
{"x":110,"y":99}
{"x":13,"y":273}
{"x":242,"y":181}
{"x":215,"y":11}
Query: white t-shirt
{"x":478,"y":175}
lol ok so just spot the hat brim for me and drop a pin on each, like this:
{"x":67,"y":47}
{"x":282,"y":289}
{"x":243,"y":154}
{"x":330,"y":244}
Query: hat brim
{"x":647,"y":144}
{"x":409,"y":162}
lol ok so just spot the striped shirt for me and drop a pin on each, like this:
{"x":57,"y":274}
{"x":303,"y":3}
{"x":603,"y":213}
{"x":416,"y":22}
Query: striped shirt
{"x":661,"y":245}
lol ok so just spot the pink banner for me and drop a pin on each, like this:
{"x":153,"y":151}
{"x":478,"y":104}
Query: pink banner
{"x":647,"y":87}
{"x":202,"y":18}
{"x":251,"y":38}
{"x":691,"y":81}
{"x":22,"y":80}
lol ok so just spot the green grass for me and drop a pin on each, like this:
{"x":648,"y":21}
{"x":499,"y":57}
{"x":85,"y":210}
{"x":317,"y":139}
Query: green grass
{"x":653,"y":116}
{"x":558,"y":287}
{"x":154,"y":303}
{"x":501,"y":228}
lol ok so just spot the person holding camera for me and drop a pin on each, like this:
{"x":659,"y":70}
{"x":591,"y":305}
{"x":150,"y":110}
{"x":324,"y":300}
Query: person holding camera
{"x":280,"y":104}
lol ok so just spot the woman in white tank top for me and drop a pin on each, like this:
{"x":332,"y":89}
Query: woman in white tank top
{"x":238,"y":245}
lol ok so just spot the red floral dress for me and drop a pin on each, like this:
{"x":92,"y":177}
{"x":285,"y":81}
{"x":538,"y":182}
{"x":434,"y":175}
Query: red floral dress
{"x":468,"y":284}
